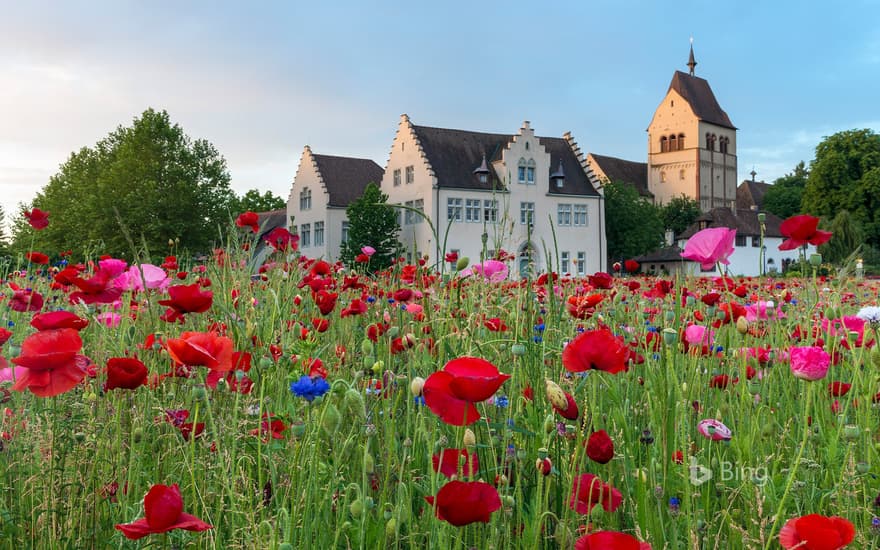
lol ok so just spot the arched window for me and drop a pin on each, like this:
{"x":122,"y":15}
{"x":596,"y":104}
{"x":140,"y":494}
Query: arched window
{"x":521,"y":171}
{"x":664,"y":144}
{"x":662,"y":177}
{"x":722,"y":144}
{"x":530,"y":172}
{"x":673,"y":143}
{"x":681,"y":174}
{"x":305,"y":199}
{"x":680,"y":141}
{"x":708,"y":141}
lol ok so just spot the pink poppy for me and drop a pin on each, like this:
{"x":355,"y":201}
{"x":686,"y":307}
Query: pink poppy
{"x":809,"y":362}
{"x":714,"y":430}
{"x":368,"y":250}
{"x":710,"y":246}
{"x":698,"y":335}
{"x":491,"y":270}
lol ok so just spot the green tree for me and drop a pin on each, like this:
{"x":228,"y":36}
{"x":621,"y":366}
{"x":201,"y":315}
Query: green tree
{"x":847,"y":238}
{"x":679,"y":213}
{"x":371,"y":223}
{"x":253,"y":201}
{"x":148,"y":182}
{"x":784,"y":197}
{"x":633,"y":226}
{"x":845,"y":175}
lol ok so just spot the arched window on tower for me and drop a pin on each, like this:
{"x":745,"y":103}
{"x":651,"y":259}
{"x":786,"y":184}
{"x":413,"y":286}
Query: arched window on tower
{"x":664,"y":144}
{"x":708,"y":141}
{"x":673,"y":143}
{"x":722,"y":144}
{"x":680,"y":141}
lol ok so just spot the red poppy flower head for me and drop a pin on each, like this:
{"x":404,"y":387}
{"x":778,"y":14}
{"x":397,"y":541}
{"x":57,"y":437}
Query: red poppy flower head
{"x":600,"y":279}
{"x":125,"y":373}
{"x":451,"y":462}
{"x":588,"y":490}
{"x":595,"y":349}
{"x":465,"y":502}
{"x":248,"y":219}
{"x":37,"y":258}
{"x":282,"y":239}
{"x":163,"y":511}
{"x":600,"y":447}
{"x":202,"y":349}
{"x":631,"y":266}
{"x":816,"y":532}
{"x":610,"y":540}
{"x":58,"y":319}
{"x":801,"y":230}
{"x":37,"y":218}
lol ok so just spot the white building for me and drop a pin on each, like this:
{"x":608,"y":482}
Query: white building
{"x":323,"y":187}
{"x":490,"y":192}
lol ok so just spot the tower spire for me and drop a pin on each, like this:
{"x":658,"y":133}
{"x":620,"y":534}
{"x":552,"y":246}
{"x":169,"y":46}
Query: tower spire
{"x":692,"y":63}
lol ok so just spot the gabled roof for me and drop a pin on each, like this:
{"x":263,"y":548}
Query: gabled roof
{"x":454,"y":154}
{"x":751,"y":193}
{"x":745,"y":222}
{"x":626,"y":171}
{"x":665,"y":254}
{"x":271,"y":219}
{"x":345,"y":178}
{"x":698,"y":94}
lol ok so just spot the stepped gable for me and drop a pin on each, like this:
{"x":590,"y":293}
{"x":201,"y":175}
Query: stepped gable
{"x":345,"y":178}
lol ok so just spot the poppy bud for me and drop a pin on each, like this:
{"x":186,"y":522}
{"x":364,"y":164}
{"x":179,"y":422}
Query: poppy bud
{"x":462,"y":263}
{"x":469,"y":439}
{"x":851,"y":432}
{"x":369,"y":463}
{"x":367,"y":347}
{"x":563,"y":535}
{"x":415,"y":387}
{"x":815,"y":260}
{"x":354,"y":402}
{"x":331,"y":419}
{"x":356,"y":508}
{"x":742,"y":325}
{"x":369,"y":361}
{"x":549,"y":424}
{"x":393,"y":332}
{"x":285,"y":546}
{"x":391,"y":528}
{"x":544,"y":466}
{"x":862,"y":467}
{"x":555,"y":395}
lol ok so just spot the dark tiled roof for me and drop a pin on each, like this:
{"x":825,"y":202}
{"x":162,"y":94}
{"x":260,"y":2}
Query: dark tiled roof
{"x":751,"y":193}
{"x":454,"y":154}
{"x":345,"y":178}
{"x":667,"y":254}
{"x":626,"y":171}
{"x":699,"y":95}
{"x":745,"y":222}
{"x":270,"y":220}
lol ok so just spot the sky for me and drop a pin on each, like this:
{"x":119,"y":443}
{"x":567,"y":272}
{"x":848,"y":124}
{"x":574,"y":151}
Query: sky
{"x":260,"y":80}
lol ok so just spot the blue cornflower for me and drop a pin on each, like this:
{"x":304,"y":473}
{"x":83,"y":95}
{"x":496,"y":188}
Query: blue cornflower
{"x":502,"y":401}
{"x":419,"y":400}
{"x":540,"y":327}
{"x":538,"y":339}
{"x":309,"y":388}
{"x":371,"y":299}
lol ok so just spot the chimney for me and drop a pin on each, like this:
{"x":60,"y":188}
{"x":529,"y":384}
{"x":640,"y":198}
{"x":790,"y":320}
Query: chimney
{"x":670,"y":237}
{"x":733,"y":207}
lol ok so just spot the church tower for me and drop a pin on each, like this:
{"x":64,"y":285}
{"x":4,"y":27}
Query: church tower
{"x":692,"y":144}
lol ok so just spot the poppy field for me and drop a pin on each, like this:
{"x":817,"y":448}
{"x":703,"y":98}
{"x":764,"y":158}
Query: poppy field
{"x":303,"y":404}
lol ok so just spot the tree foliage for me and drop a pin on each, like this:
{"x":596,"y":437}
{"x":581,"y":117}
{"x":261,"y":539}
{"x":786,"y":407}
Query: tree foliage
{"x":845,"y":175}
{"x":633,"y":226}
{"x":148,"y":182}
{"x":679,"y":213}
{"x":253,"y":201}
{"x":784,"y":197}
{"x":847,"y":238}
{"x":371,"y":223}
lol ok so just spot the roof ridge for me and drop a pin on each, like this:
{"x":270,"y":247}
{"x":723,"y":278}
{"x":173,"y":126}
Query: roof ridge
{"x":344,"y":157}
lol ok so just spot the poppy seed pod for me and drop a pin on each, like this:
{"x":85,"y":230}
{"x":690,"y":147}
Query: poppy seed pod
{"x":415,"y":387}
{"x":469,"y":439}
{"x":555,"y":395}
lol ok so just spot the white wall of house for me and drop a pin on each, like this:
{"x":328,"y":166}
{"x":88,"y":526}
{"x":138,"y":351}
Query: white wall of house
{"x":312,"y":214}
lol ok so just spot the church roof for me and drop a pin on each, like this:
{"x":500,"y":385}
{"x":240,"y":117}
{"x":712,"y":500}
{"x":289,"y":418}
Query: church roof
{"x":453,"y":155}
{"x":751,"y":193}
{"x":345,"y":178}
{"x":626,"y":171}
{"x":698,"y":94}
{"x":745,"y":222}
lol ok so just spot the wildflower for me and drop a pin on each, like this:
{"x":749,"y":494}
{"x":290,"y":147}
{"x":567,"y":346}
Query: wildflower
{"x":588,"y":490}
{"x":490,"y":270}
{"x":610,"y":540}
{"x":801,"y":230}
{"x":816,"y":531}
{"x":448,"y":462}
{"x":125,"y":373}
{"x":595,"y":349}
{"x":368,"y":250}
{"x":710,"y":246}
{"x":713,"y":429}
{"x":248,"y":219}
{"x":600,"y":447}
{"x":309,"y":387}
{"x":601,"y":280}
{"x":163,"y":511}
{"x":205,"y":349}
{"x":26,"y":300}
{"x":452,"y":392}
{"x":465,"y":502}
{"x":282,"y":239}
{"x":37,"y":218}
{"x":37,"y":258}
{"x":58,"y":319}
{"x":183,"y":299}
{"x":870,"y":315}
{"x":51,"y":362}
{"x":809,"y":363}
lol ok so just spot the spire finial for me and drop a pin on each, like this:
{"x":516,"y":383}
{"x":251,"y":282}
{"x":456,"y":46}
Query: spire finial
{"x":753,"y":173}
{"x":692,"y":63}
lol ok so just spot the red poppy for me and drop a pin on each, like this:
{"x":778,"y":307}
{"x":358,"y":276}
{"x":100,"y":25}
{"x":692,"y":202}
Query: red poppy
{"x":711,"y":298}
{"x":571,"y":412}
{"x":610,"y":540}
{"x":320,"y":325}
{"x":838,"y":389}
{"x":452,"y":392}
{"x":631,"y":266}
{"x":270,"y":427}
{"x":464,"y":502}
{"x":26,"y":300}
{"x":236,"y":382}
{"x":37,"y":218}
{"x":163,"y":508}
{"x":201,"y":349}
{"x":816,"y":532}
{"x":449,"y":461}
{"x":281,"y":239}
{"x":51,"y":361}
{"x":595,"y":349}
{"x":801,"y":230}
{"x":451,"y":257}
{"x":600,"y":448}
{"x":58,"y":319}
{"x":356,"y":307}
{"x":588,"y":490}
{"x":248,"y":219}
{"x":5,"y":335}
{"x":170,"y":263}
{"x":125,"y":373}
{"x":600,"y":279}
{"x":183,"y":299}
{"x":495,"y":324}
{"x":326,"y":301}
{"x":583,"y":307}
{"x":37,"y":258}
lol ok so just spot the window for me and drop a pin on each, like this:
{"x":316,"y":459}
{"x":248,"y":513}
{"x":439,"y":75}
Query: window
{"x":673,"y":143}
{"x":582,"y":263}
{"x":580,"y":215}
{"x":680,"y":142}
{"x":722,"y":144}
{"x":305,"y":235}
{"x":563,"y":214}
{"x":397,"y":178}
{"x":472,"y":210}
{"x":521,"y":172}
{"x":662,"y":177}
{"x":527,"y":146}
{"x":681,"y":174}
{"x":526,"y":213}
{"x":740,"y":240}
{"x":756,"y":242}
{"x":410,"y":174}
{"x":664,"y":144}
{"x":490,"y":211}
{"x":305,"y":199}
{"x":710,"y":141}
{"x":420,"y":206}
{"x":453,"y":209}
{"x":407,"y":213}
{"x":564,"y":261}
{"x":530,"y":172}
{"x":319,"y":233}
{"x":344,"y":231}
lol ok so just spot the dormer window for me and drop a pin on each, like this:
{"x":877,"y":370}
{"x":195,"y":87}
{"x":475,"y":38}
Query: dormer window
{"x":558,"y":177}
{"x":305,"y":199}
{"x":482,"y":171}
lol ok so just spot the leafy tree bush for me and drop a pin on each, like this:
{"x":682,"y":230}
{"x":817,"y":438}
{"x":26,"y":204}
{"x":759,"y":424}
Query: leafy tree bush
{"x":633,"y":226}
{"x":371,"y":222}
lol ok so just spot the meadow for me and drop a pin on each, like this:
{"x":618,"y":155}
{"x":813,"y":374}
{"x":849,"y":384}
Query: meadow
{"x":313,"y":406}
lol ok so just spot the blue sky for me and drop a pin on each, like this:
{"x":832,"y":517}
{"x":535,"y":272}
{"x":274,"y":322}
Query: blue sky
{"x":261,"y":80}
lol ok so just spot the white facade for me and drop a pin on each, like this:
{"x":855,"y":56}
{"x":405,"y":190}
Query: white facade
{"x":309,"y":214}
{"x":518,"y":215}
{"x":746,"y":258}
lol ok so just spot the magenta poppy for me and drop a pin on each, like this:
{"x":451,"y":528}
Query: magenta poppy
{"x":163,"y":511}
{"x":809,"y":363}
{"x":595,"y":349}
{"x":710,"y":246}
{"x":464,"y":502}
{"x":801,"y":230}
